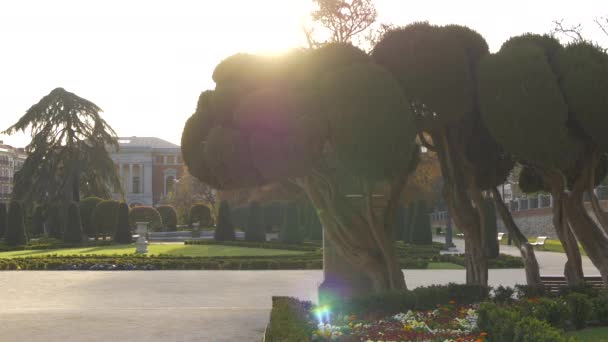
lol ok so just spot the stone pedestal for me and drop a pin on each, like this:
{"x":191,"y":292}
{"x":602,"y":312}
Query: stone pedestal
{"x":196,"y":230}
{"x":341,"y":280}
{"x":141,"y":245}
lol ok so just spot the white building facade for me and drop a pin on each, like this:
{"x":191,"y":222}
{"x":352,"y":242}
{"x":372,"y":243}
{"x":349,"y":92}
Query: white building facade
{"x":11,"y":161}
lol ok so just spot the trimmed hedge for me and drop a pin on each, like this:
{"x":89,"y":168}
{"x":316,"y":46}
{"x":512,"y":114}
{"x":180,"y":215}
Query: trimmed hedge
{"x":268,"y":245}
{"x":289,"y":320}
{"x":3,"y":219}
{"x":87,"y":206}
{"x":200,"y":213}
{"x":37,"y":223}
{"x":15,"y":230}
{"x":168,"y":216}
{"x":105,"y":218}
{"x":254,"y":229}
{"x":73,"y":229}
{"x":123,"y":231}
{"x":491,"y":229}
{"x":225,"y":229}
{"x":54,"y":225}
{"x":420,"y":231}
{"x":145,"y":214}
{"x":290,"y":232}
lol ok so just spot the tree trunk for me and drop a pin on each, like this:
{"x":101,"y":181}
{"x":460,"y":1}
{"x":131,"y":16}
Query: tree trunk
{"x":602,"y":216}
{"x":351,"y":237}
{"x":526,"y":250}
{"x":593,"y":239}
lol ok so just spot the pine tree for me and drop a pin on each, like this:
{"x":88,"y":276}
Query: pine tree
{"x":15,"y":230}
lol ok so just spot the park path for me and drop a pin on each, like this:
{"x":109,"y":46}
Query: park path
{"x":215,"y":306}
{"x":551,"y":263}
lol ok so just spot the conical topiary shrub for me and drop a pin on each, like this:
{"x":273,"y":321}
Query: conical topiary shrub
{"x":200,"y":213}
{"x":15,"y":230}
{"x":420,"y":232}
{"x":224,"y":230}
{"x":291,"y":232}
{"x":254,"y":229}
{"x":54,"y":225}
{"x":491,"y":229}
{"x":37,"y":223}
{"x":168,"y":216}
{"x":123,"y":231}
{"x":73,"y":228}
{"x":87,"y":206}
{"x":2,"y":219}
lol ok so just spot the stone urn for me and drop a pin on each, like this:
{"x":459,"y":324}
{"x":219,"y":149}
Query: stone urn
{"x":141,"y":245}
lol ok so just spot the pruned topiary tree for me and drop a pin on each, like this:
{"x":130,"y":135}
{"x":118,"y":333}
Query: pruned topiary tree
{"x":3,"y":219}
{"x":254,"y":229}
{"x":330,"y":121}
{"x":545,"y":104}
{"x":420,"y":230}
{"x":87,"y":206}
{"x":291,"y":231}
{"x":145,"y":214}
{"x":200,"y":213}
{"x":15,"y":231}
{"x":224,"y":231}
{"x":123,"y":231}
{"x":168,"y":216}
{"x":37,"y":223}
{"x":73,"y":228}
{"x":105,"y":218}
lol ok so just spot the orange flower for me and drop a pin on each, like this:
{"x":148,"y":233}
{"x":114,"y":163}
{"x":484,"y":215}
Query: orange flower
{"x":452,"y":302}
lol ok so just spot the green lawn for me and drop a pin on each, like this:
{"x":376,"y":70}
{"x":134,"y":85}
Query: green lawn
{"x":444,"y":266}
{"x":551,"y":245}
{"x":157,"y":249}
{"x":591,"y":334}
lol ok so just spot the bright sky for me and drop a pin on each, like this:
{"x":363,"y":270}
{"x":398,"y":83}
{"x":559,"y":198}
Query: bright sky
{"x":144,"y":62}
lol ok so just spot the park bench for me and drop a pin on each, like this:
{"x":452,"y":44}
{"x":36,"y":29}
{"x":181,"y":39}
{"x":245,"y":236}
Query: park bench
{"x":540,"y":241}
{"x":553,"y":284}
{"x":500,"y":235}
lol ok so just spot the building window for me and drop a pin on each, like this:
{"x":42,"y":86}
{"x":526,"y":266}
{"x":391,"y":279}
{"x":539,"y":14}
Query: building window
{"x":136,"y":185}
{"x":159,"y":159}
{"x":169,"y":182}
{"x":170,"y":159}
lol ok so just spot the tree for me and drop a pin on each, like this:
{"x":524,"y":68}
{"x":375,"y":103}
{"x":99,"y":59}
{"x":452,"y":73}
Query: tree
{"x":492,"y":247}
{"x":37,"y":224}
{"x":54,"y":223}
{"x":105,"y":218}
{"x":420,"y":231}
{"x":73,"y":231}
{"x":291,"y":231}
{"x":224,"y":230}
{"x":187,"y":192}
{"x":551,"y":125}
{"x":123,"y":231}
{"x":15,"y":230}
{"x":87,"y":206}
{"x":168,"y":216}
{"x":145,"y":214}
{"x":68,"y":150}
{"x":575,"y":33}
{"x":254,"y":230}
{"x":3,"y":219}
{"x":267,"y":121}
{"x":200,"y":213}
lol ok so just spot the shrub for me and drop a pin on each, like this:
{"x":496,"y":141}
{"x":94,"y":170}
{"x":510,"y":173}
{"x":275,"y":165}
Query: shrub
{"x":410,"y":215}
{"x":105,"y":218}
{"x":54,"y":224}
{"x":3,"y":219}
{"x":145,"y":214}
{"x":123,"y":231}
{"x":420,"y":231}
{"x":534,"y":330}
{"x":15,"y":229}
{"x":491,"y":229}
{"x":580,"y":309}
{"x":503,"y":294}
{"x":268,"y":245}
{"x":73,"y":229}
{"x":290,"y":231}
{"x":87,"y":206}
{"x":551,"y":310}
{"x":254,"y":229}
{"x":200,"y":213}
{"x":600,"y":307}
{"x":498,"y":321}
{"x":526,"y":291}
{"x":289,"y":320}
{"x":168,"y":216}
{"x":224,"y":230}
{"x":37,"y":224}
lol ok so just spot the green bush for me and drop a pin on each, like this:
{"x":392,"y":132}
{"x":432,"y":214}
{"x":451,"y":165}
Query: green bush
{"x":73,"y":229}
{"x":526,"y":291}
{"x":420,"y":231}
{"x":54,"y":224}
{"x":15,"y":230}
{"x":581,"y":309}
{"x":168,"y":216}
{"x":498,"y":321}
{"x":551,"y":310}
{"x":87,"y":206}
{"x":534,"y":330}
{"x":123,"y":231}
{"x":224,"y":230}
{"x":200,"y":213}
{"x":37,"y":223}
{"x":269,"y":245}
{"x":289,"y":320}
{"x":503,"y":294}
{"x":145,"y":214}
{"x":254,"y":230}
{"x":600,"y":307}
{"x":105,"y":218}
{"x":3,"y":219}
{"x":290,"y":231}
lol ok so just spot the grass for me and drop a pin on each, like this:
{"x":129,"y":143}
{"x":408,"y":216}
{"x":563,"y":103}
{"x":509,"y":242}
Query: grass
{"x":551,"y":245}
{"x":591,"y":334}
{"x":444,"y":266}
{"x":156,"y":249}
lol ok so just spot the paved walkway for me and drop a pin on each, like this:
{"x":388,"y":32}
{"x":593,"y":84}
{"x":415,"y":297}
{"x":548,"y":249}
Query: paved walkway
{"x":163,"y":305}
{"x":551,"y":263}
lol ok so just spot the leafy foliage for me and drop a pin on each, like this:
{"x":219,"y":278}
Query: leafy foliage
{"x":254,"y":230}
{"x":105,"y":217}
{"x":37,"y":223}
{"x":224,"y":230}
{"x":420,"y":230}
{"x":145,"y":214}
{"x":87,"y":206}
{"x":3,"y":219}
{"x":200,"y":213}
{"x":168,"y":216}
{"x":491,"y":229}
{"x":123,"y":230}
{"x":15,"y":230}
{"x":291,"y":231}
